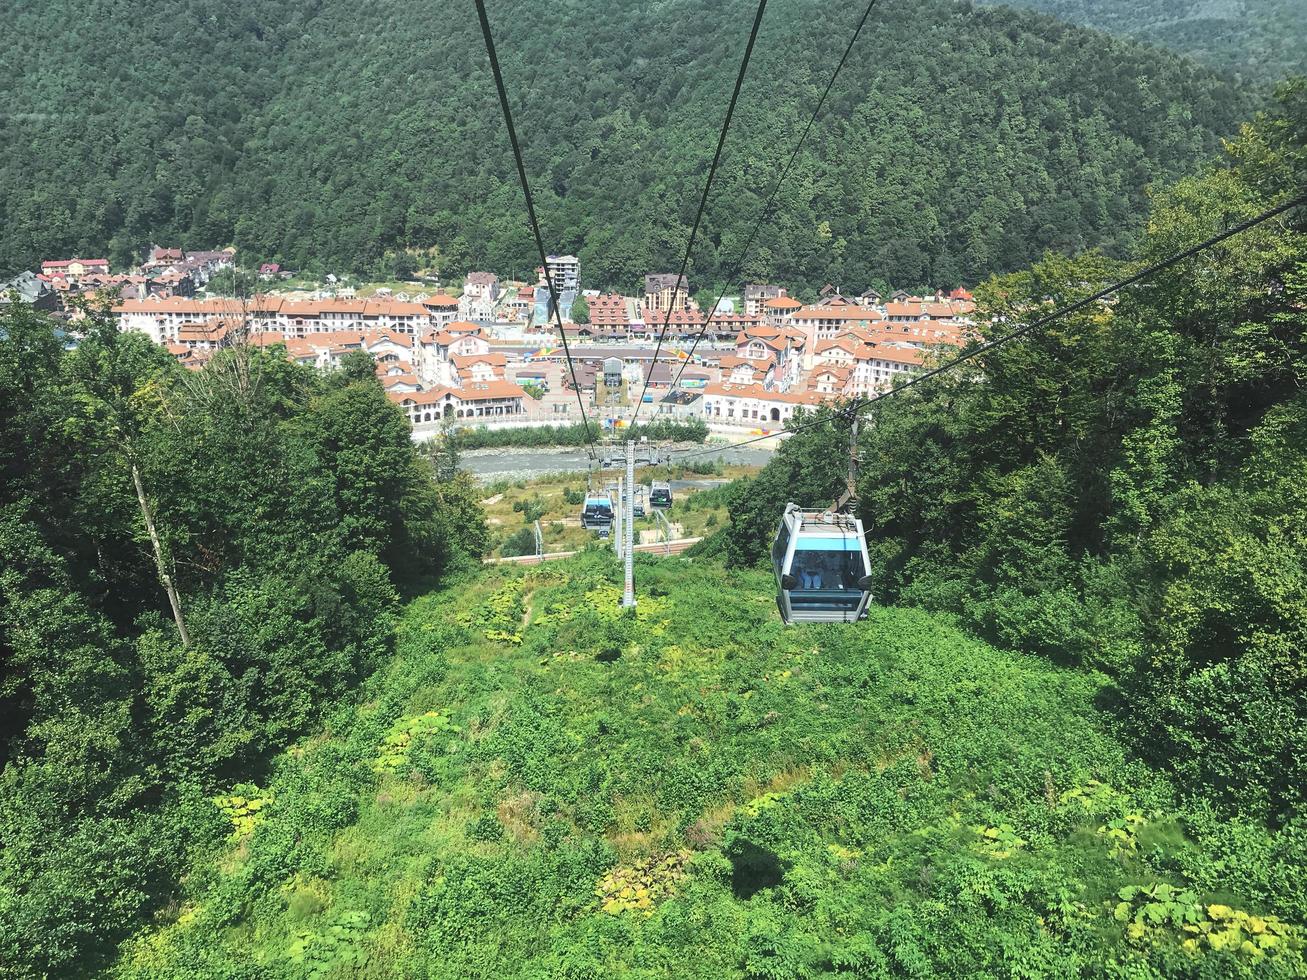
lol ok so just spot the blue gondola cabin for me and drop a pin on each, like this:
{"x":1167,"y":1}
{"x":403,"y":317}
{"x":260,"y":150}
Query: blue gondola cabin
{"x":823,"y":574}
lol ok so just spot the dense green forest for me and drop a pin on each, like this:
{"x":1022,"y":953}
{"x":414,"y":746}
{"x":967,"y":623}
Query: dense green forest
{"x":1257,"y":38}
{"x":960,"y":141}
{"x":193,"y":568}
{"x":1126,"y":491}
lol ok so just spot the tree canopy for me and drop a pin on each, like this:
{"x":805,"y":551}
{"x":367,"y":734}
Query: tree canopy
{"x":193,"y":566}
{"x":1256,"y":38}
{"x":332,"y":136}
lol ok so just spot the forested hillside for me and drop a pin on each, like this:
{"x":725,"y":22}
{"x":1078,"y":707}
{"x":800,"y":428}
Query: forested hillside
{"x":960,"y":142}
{"x":1258,"y":38}
{"x":193,"y":568}
{"x":1125,"y":490}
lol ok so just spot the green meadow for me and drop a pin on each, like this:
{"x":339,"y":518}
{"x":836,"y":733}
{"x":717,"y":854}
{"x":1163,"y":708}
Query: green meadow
{"x":538,"y":785}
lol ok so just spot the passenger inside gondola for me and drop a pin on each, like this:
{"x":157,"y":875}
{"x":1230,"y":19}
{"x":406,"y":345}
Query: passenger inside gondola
{"x":822,"y":570}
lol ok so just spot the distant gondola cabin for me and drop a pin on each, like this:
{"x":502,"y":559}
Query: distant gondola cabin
{"x":597,"y":512}
{"x":823,"y":574}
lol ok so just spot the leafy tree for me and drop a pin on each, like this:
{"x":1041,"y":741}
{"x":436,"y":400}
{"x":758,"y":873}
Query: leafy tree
{"x":119,"y":382}
{"x":270,"y":510}
{"x":810,"y":469}
{"x":404,"y":267}
{"x":357,"y":365}
{"x":1259,"y":40}
{"x":580,"y":310}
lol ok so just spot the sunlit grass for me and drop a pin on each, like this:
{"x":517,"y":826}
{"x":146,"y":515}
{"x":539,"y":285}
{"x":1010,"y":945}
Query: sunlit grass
{"x":823,"y":784}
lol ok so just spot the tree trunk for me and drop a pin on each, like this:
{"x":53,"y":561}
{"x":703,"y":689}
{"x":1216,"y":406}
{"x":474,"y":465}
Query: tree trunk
{"x":164,"y":578}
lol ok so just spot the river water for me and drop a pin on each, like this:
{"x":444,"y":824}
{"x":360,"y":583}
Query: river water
{"x":520,"y":464}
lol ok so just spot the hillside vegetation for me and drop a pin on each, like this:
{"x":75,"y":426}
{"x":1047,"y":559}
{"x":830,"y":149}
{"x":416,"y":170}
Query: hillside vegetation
{"x":538,"y":786}
{"x":194,"y":566}
{"x":1258,"y":38}
{"x":1126,"y":489}
{"x":326,"y":134}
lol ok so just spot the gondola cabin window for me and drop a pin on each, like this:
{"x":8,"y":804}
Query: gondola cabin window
{"x":779,"y":550}
{"x":828,"y":570}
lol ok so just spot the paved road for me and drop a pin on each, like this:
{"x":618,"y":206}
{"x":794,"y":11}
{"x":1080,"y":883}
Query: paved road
{"x":518,"y":464}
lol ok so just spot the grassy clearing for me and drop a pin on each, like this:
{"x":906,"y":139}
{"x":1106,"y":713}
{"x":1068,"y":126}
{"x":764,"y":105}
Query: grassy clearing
{"x":538,"y":786}
{"x":511,"y":507}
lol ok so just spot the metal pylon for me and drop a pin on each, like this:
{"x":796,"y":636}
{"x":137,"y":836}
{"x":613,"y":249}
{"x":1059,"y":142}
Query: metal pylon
{"x":616,"y":529}
{"x":628,"y":594}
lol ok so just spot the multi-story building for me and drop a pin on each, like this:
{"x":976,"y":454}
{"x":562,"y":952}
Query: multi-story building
{"x":610,"y":310}
{"x":753,"y":404}
{"x":876,"y":367}
{"x":478,"y":400}
{"x":664,"y":291}
{"x":443,"y":309}
{"x":73,"y":269}
{"x":756,"y":296}
{"x":565,"y":271}
{"x":29,"y":288}
{"x":481,"y":285}
{"x":159,"y":317}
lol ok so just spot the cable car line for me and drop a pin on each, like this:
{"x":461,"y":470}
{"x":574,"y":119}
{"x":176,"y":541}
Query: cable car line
{"x":1147,"y":272}
{"x":531,"y":211}
{"x":703,"y":201}
{"x":764,"y":213}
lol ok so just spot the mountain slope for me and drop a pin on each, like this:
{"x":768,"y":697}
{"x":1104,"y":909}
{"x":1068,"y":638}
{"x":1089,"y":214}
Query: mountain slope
{"x":958,"y":143}
{"x":1260,"y":38}
{"x":539,"y":787}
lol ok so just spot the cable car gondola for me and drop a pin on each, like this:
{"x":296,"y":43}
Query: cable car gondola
{"x":660,"y":494}
{"x":597,"y":513}
{"x":822,"y":571}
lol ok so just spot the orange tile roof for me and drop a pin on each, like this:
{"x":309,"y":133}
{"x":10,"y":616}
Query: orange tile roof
{"x":486,"y":390}
{"x":850,"y":344}
{"x":903,"y":309}
{"x":842,"y":313}
{"x":342,"y":306}
{"x":494,"y":359}
{"x":395,"y":308}
{"x":893,"y":354}
{"x":761,"y":394}
{"x":429,"y":397}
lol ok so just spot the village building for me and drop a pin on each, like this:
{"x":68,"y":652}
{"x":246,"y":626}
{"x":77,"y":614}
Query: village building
{"x":752,"y":403}
{"x":665,"y":291}
{"x":481,"y":286}
{"x":757,"y":295}
{"x":28,"y":287}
